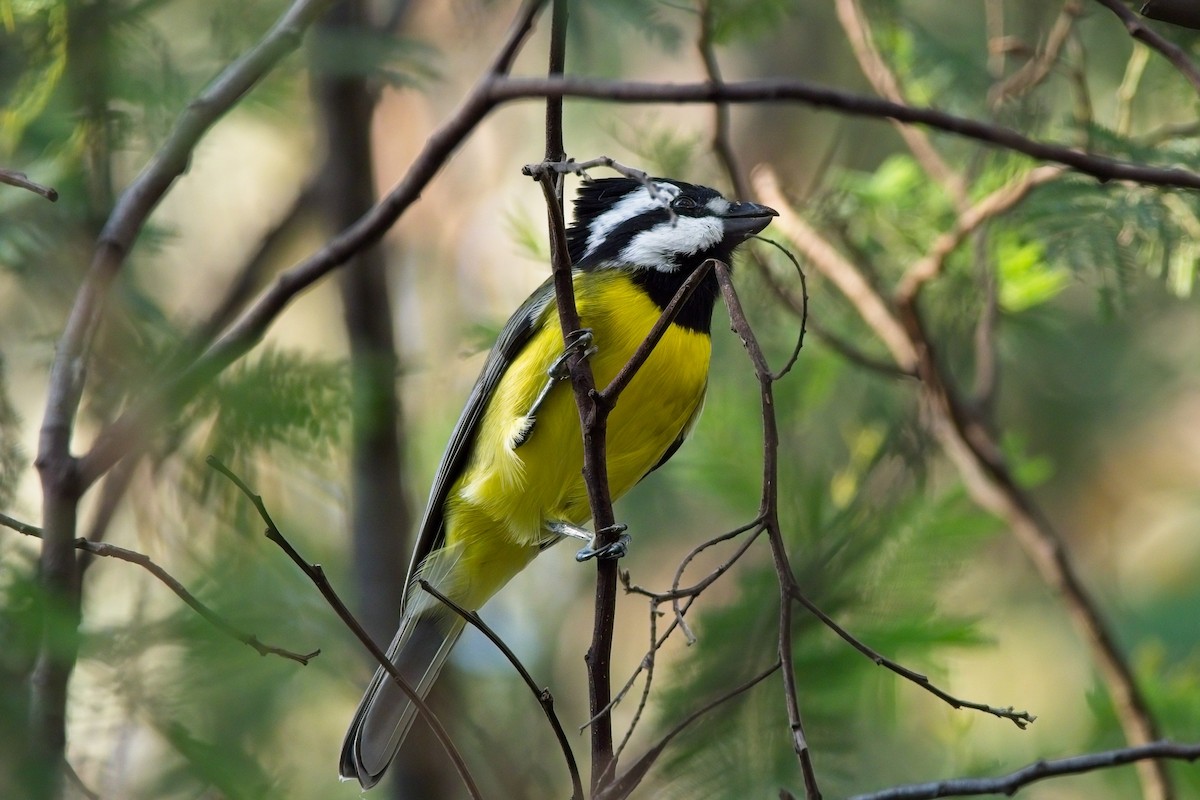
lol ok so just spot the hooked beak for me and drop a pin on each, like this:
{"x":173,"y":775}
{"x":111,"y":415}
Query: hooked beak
{"x":743,"y":220}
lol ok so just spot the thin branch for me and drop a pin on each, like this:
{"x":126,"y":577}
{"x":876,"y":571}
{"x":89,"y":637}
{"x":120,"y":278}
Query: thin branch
{"x":626,"y":374}
{"x":722,"y":137}
{"x":993,"y":205}
{"x":778,"y":90}
{"x":316,"y":574}
{"x":1021,"y":719}
{"x":1010,"y":784}
{"x":690,"y":596}
{"x":21,"y":181}
{"x":625,"y":785}
{"x":593,"y":418}
{"x":145,"y":562}
{"x":544,"y":698}
{"x":974,"y":450}
{"x":1038,"y":68}
{"x":1143,"y":33}
{"x":769,"y":514}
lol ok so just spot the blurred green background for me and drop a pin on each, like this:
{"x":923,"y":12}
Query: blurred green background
{"x":1097,"y":402}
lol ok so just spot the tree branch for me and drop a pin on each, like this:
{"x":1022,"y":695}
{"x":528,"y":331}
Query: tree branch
{"x":544,"y":698}
{"x":145,"y":562}
{"x":1040,"y":770}
{"x":1143,"y":33}
{"x":769,"y":514}
{"x":778,"y":90}
{"x":316,"y":574}
{"x":19,"y":179}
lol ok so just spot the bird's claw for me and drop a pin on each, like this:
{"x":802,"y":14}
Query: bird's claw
{"x":616,"y":549}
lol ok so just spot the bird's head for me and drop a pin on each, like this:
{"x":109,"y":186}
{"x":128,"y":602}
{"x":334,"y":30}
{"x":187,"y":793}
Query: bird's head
{"x":672,"y":228}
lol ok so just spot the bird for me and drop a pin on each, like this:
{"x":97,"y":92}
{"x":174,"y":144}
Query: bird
{"x":510,"y":482}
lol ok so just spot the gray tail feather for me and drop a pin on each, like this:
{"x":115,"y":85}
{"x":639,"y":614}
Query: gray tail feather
{"x":385,"y":713}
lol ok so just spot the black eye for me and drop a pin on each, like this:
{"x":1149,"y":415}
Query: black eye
{"x":683,"y":203}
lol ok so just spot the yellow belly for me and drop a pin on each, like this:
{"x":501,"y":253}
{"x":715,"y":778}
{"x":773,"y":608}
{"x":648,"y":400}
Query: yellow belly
{"x":497,"y":509}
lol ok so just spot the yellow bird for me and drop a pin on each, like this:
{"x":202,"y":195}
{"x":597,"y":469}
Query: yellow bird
{"x":510,"y":483}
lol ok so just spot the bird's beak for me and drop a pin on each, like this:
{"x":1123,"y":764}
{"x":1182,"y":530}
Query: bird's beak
{"x":747,"y":219}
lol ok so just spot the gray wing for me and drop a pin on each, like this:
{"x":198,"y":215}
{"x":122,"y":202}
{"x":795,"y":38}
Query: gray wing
{"x":516,"y":332}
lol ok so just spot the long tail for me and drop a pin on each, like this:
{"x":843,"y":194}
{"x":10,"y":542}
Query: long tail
{"x":385,"y":713}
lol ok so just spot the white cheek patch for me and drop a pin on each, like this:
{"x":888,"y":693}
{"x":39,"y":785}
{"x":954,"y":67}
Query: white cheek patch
{"x":658,"y":247}
{"x":631,"y":205}
{"x":719,"y":206}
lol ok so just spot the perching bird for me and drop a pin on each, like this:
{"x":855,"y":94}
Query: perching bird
{"x":510,"y":482}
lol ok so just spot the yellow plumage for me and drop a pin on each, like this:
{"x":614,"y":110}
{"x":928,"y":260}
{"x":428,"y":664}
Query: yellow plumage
{"x":497,"y":509}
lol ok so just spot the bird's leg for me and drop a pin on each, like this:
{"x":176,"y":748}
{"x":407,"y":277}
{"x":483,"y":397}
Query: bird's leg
{"x":576,"y":341}
{"x":616,"y":549}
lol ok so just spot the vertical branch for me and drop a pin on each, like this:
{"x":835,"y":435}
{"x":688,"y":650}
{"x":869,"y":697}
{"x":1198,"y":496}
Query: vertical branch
{"x":769,"y":515}
{"x":593,"y":417}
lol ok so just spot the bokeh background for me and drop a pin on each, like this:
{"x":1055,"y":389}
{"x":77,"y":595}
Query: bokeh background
{"x":1097,"y":401}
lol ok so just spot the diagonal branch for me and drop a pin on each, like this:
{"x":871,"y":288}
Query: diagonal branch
{"x":624,"y":785}
{"x":972,"y":447}
{"x":1143,"y":33}
{"x":544,"y":698}
{"x":993,"y":205}
{"x":240,"y":337}
{"x":316,"y":574}
{"x":858,"y":31}
{"x":145,"y":562}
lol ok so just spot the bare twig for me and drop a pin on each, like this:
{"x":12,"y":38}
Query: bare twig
{"x":544,"y":698}
{"x":145,"y":562}
{"x":624,"y":785}
{"x":19,"y":179}
{"x":1036,"y":69}
{"x":1010,"y":784}
{"x":1143,"y":33}
{"x":316,"y":574}
{"x":689,"y":594}
{"x":993,"y":205}
{"x":769,"y":514}
{"x":1021,"y":719}
{"x":626,"y":374}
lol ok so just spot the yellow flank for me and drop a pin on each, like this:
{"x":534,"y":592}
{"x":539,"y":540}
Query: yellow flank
{"x":496,"y":510}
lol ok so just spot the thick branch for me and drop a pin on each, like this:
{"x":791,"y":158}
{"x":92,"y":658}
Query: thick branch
{"x":778,"y":90}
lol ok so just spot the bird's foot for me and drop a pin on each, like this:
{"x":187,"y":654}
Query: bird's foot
{"x":580,"y":340}
{"x":616,"y":549}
